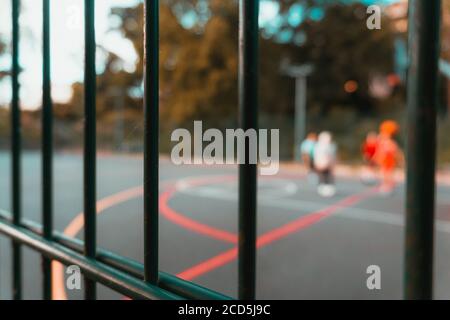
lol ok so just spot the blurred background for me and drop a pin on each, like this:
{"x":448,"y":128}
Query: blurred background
{"x":358,"y":76}
{"x":352,"y":79}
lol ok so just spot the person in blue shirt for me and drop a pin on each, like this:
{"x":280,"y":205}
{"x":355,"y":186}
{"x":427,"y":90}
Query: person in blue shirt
{"x":307,"y":151}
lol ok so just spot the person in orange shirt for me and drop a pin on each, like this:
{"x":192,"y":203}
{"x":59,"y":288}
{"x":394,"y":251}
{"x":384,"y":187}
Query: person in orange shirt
{"x":388,"y":155}
{"x":368,"y":149}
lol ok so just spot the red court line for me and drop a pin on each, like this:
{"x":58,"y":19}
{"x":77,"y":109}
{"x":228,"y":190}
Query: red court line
{"x":209,"y":265}
{"x":191,"y":224}
{"x":274,"y":235}
{"x":310,"y":219}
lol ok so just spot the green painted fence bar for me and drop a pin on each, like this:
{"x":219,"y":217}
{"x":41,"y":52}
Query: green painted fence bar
{"x":248,"y":111}
{"x":166,"y":281}
{"x":424,"y":40}
{"x":90,"y":230}
{"x":47,"y":150}
{"x":94,"y":270}
{"x":16,"y":144}
{"x":151,"y":140}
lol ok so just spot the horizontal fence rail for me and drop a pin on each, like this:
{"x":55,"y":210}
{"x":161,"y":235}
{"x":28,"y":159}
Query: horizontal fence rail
{"x":146,"y":281}
{"x":170,"y":283}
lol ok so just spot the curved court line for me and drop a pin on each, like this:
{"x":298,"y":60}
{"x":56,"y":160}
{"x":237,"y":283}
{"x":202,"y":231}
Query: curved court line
{"x":303,"y":222}
{"x":190,"y":224}
{"x":77,"y":224}
{"x":274,"y":235}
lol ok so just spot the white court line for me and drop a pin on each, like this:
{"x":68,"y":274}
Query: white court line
{"x":349,"y":213}
{"x":278,"y":189}
{"x":387,"y":218}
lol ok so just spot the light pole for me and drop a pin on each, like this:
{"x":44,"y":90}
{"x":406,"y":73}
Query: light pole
{"x":118,"y":94}
{"x":300,"y":74}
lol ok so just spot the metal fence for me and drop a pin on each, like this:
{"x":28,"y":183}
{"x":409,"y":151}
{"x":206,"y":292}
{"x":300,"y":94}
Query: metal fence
{"x":146,"y":281}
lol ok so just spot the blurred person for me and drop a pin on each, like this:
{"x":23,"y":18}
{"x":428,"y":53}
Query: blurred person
{"x":368,"y":149}
{"x":307,"y":152}
{"x":324,"y":162}
{"x":388,"y":155}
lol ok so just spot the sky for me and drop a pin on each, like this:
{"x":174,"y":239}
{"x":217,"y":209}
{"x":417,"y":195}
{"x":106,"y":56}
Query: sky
{"x":67,"y":43}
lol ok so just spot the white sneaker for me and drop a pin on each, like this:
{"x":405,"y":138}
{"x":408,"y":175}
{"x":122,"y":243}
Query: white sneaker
{"x":326,"y":190}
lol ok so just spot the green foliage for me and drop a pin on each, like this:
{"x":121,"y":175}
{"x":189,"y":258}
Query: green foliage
{"x":445,"y":36}
{"x":3,"y":73}
{"x":199,"y":65}
{"x":199,"y":68}
{"x":4,"y":116}
{"x":342,"y":48}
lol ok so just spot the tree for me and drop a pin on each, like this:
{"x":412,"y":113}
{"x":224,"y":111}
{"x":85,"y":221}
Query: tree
{"x":198,"y":69}
{"x":3,"y":73}
{"x":4,"y":119}
{"x":199,"y":61}
{"x":446,"y":30}
{"x":342,"y":49}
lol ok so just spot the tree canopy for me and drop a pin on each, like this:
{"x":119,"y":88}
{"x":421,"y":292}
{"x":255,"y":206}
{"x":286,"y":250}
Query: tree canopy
{"x":199,"y":64}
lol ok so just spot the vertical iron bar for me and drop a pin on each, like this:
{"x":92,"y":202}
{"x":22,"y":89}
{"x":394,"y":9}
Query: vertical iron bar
{"x":16,"y":150}
{"x":248,"y":110}
{"x":151,"y":139}
{"x":47,"y":150}
{"x":90,"y":142}
{"x":424,"y":30}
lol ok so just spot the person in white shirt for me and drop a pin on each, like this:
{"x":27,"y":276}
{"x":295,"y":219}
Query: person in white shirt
{"x":324,"y":163}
